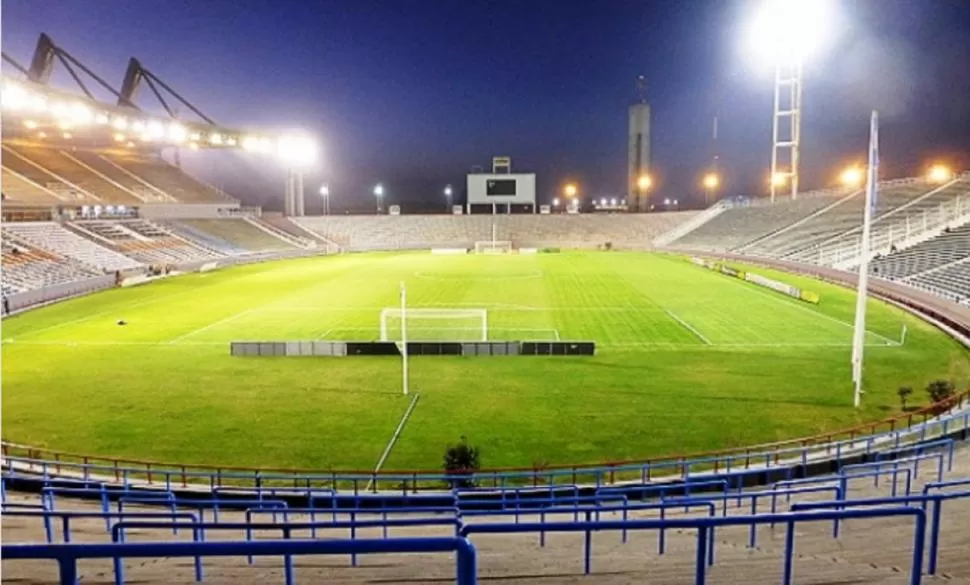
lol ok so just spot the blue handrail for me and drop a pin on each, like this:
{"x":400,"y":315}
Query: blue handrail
{"x":705,"y":525}
{"x":67,"y":555}
{"x":936,"y":499}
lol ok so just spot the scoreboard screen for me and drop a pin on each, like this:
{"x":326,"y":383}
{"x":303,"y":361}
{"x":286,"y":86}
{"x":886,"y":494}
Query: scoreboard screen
{"x":500,"y":187}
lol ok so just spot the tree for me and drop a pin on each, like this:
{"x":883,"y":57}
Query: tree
{"x":904,"y":392}
{"x":461,"y":462}
{"x":940,"y":390}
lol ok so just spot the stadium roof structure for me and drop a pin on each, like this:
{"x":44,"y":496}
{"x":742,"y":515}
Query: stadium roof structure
{"x":35,"y":112}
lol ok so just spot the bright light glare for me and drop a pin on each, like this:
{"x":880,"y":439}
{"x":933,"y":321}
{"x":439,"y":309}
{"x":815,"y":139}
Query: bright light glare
{"x":711,"y":181}
{"x":296,"y":151}
{"x":644,"y":182}
{"x":603,"y":201}
{"x":378,"y":190}
{"x":324,"y":190}
{"x":120,"y":124}
{"x":30,"y":124}
{"x":667,"y":201}
{"x":570,"y":190}
{"x":14,"y":97}
{"x":613,"y":201}
{"x":448,"y":191}
{"x":940,"y":174}
{"x":779,"y":179}
{"x":789,"y":32}
{"x":555,"y":202}
{"x":851,"y":177}
{"x":176,"y":132}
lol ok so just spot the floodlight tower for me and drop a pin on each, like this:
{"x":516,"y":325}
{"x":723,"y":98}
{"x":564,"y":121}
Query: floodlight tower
{"x":787,"y":32}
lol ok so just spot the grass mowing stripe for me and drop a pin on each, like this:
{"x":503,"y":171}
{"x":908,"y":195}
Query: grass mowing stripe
{"x":688,"y":326}
{"x":394,"y":437}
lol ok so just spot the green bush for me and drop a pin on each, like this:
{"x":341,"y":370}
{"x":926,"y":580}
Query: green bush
{"x":940,"y":390}
{"x":461,"y":462}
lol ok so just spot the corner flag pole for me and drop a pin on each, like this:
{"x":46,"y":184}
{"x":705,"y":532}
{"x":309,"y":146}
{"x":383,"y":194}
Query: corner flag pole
{"x":859,"y":337}
{"x":404,"y":337}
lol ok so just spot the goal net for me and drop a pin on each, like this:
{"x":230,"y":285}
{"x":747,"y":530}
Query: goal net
{"x":493,"y":247}
{"x":435,"y":324}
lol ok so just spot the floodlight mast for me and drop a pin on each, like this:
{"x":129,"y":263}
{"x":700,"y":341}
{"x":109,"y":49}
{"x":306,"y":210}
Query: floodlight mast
{"x":786,"y":128}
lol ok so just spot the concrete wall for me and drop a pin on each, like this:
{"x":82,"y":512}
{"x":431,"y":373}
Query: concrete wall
{"x":20,"y":301}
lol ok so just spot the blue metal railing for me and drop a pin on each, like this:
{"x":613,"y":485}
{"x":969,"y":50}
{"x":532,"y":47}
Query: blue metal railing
{"x":705,"y":525}
{"x":67,"y":555}
{"x":936,"y":499}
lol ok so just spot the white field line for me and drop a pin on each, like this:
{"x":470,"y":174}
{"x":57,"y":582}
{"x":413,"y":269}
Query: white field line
{"x":811,"y":312}
{"x":492,"y":307}
{"x":324,"y":334}
{"x":228,"y":319}
{"x":688,"y":326}
{"x":109,"y":311}
{"x":632,"y":345}
{"x":394,"y":437}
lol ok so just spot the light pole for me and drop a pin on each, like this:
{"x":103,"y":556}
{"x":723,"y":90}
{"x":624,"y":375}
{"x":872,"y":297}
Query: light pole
{"x":570,"y":190}
{"x":555,"y":204}
{"x":448,"y":194}
{"x":711,"y":182}
{"x":325,"y":193}
{"x":785,"y":34}
{"x":644,"y":182}
{"x":379,"y":194}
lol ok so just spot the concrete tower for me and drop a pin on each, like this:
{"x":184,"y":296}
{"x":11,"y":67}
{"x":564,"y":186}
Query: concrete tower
{"x":638,"y":149}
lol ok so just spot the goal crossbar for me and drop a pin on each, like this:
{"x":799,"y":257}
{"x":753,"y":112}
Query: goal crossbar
{"x":493,"y":246}
{"x":415,"y":314}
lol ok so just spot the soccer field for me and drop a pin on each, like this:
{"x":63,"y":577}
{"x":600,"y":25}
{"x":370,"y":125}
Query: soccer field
{"x":687,"y":360}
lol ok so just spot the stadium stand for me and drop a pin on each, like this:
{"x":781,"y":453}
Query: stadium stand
{"x":538,"y":535}
{"x":739,"y":225}
{"x":58,"y":239}
{"x":144,"y":241}
{"x":950,"y":281}
{"x":30,"y":170}
{"x":28,"y":268}
{"x":238,"y":232}
{"x":949,"y":247}
{"x":18,"y":190}
{"x":138,"y":187}
{"x":159,"y":174}
{"x":422,"y":231}
{"x":63,"y":165}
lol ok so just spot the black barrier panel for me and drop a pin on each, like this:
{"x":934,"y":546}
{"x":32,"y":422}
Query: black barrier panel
{"x":434,"y":348}
{"x":372,"y":348}
{"x":558,"y":348}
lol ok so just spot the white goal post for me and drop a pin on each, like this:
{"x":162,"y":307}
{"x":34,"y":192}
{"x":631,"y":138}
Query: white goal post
{"x":493,"y":247}
{"x":435,"y":324}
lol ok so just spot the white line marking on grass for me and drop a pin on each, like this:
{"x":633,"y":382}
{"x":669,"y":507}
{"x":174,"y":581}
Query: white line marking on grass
{"x":394,"y":437}
{"x":228,"y":319}
{"x":687,"y":326}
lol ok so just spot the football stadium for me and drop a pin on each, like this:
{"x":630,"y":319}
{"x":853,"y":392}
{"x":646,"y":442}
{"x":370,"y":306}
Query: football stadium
{"x":761,"y":389}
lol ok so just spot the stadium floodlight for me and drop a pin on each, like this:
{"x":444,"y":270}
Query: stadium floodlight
{"x":119,"y":137}
{"x":37,"y":103}
{"x":119,"y":124}
{"x":667,"y":201}
{"x":644,"y":182}
{"x":30,"y":124}
{"x":784,"y":35}
{"x":42,"y":135}
{"x":155,"y":129}
{"x":852,"y":177}
{"x":324,"y":190}
{"x":448,"y":191}
{"x":101,"y":119}
{"x":80,"y":114}
{"x":15,"y":97}
{"x":711,"y":181}
{"x":66,"y":135}
{"x":603,"y":201}
{"x":379,"y":195}
{"x":570,"y":190}
{"x":177,"y":132}
{"x":138,"y":126}
{"x":215,"y":138}
{"x":790,"y":31}
{"x":555,"y":202}
{"x":296,"y":150}
{"x":940,"y":174}
{"x":613,"y":201}
{"x":779,"y":179}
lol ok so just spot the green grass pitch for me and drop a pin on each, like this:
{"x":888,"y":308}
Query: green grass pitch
{"x":687,"y":360}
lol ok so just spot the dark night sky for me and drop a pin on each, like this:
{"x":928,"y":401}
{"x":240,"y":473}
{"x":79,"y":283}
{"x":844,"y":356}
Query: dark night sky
{"x":414,"y":92}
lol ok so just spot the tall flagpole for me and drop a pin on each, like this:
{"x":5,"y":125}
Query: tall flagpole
{"x":859,"y":338}
{"x":404,"y":337}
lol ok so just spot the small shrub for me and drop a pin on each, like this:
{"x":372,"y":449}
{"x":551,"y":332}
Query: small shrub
{"x":940,"y":390}
{"x":904,"y":393}
{"x":461,"y":461}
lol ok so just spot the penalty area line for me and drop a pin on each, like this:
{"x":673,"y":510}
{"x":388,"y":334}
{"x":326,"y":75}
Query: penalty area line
{"x":688,"y":326}
{"x":394,"y":437}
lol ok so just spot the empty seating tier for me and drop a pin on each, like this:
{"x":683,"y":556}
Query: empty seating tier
{"x":56,"y":238}
{"x":239,"y":233}
{"x":169,"y":179}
